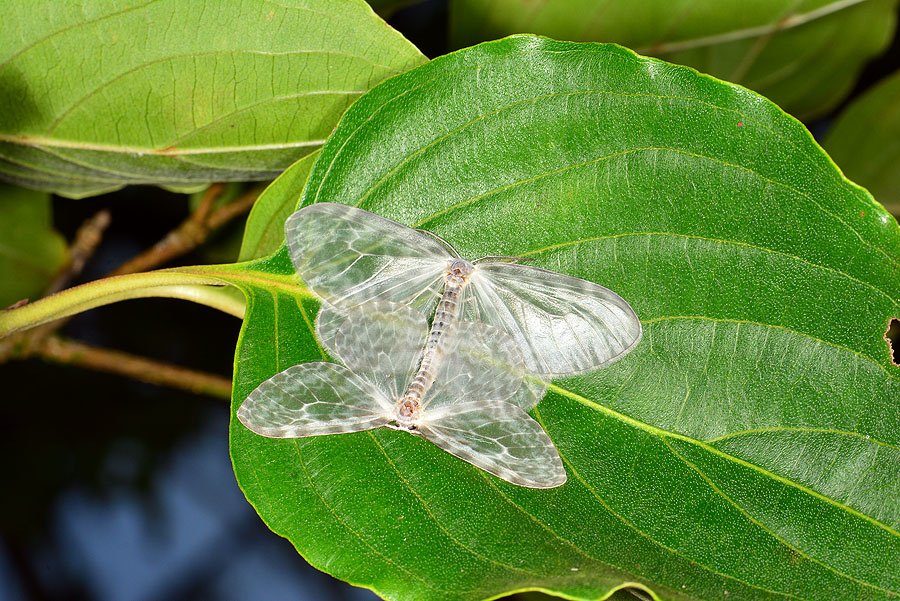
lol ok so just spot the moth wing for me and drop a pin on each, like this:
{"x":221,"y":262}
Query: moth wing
{"x":563,"y":325}
{"x":382,"y":340}
{"x":478,"y":361}
{"x":499,"y":438}
{"x":349,"y":256}
{"x":312,"y":399}
{"x":328,"y":322}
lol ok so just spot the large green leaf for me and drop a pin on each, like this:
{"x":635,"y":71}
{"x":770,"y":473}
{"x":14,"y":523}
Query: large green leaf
{"x":747,"y":449}
{"x":803,"y":54}
{"x":865,"y":141}
{"x":95,"y":95}
{"x":31,"y":251}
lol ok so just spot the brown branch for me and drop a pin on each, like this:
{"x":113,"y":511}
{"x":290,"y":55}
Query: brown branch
{"x":56,"y":349}
{"x":86,"y":241}
{"x":234,"y":209}
{"x":193,"y":231}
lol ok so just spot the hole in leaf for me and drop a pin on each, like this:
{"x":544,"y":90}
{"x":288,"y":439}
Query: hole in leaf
{"x":892,"y":337}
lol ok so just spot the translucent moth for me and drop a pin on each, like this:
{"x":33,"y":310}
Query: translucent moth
{"x":470,"y":398}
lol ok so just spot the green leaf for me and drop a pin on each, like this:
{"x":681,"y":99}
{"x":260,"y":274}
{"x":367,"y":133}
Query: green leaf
{"x":804,"y":55}
{"x":95,"y":96}
{"x":747,"y":449}
{"x":264,"y":231}
{"x":31,"y":251}
{"x":865,"y":141}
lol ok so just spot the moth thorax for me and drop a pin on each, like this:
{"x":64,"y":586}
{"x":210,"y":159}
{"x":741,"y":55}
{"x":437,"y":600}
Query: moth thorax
{"x":408,"y":407}
{"x":459,"y":272}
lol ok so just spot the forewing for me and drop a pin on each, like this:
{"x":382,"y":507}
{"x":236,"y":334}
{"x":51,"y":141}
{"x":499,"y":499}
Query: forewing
{"x":478,"y":362}
{"x":312,"y":399}
{"x":383,"y":341}
{"x":349,"y":256}
{"x":563,"y":325}
{"x":499,"y":438}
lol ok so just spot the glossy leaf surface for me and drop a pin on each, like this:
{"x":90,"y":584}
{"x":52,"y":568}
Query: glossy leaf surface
{"x":96,"y":95}
{"x":865,"y":142}
{"x":31,"y":251}
{"x":804,"y":55}
{"x":747,"y":449}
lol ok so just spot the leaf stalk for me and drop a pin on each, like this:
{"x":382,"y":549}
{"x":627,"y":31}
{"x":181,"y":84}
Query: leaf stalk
{"x":185,"y":283}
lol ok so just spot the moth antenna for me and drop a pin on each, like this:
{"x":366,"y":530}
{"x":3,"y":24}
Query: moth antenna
{"x":503,"y":259}
{"x":443,"y":242}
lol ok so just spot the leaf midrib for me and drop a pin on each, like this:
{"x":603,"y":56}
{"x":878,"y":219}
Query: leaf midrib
{"x":43,"y":142}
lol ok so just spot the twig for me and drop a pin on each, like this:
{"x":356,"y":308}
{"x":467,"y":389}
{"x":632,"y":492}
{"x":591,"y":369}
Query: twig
{"x":86,"y":241}
{"x":192,"y":232}
{"x":69,"y":352}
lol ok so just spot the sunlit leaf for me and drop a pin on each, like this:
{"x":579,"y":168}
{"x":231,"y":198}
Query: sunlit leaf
{"x":804,"y":55}
{"x":747,"y":449}
{"x":96,"y":95}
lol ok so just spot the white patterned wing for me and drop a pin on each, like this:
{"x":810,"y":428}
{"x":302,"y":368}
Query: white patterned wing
{"x":349,"y":256}
{"x":499,"y":438}
{"x":478,"y":362}
{"x":384,"y":341}
{"x":312,"y":399}
{"x":563,"y":325}
{"x":328,"y":322}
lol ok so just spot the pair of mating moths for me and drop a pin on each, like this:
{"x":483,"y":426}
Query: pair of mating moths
{"x":498,"y":332}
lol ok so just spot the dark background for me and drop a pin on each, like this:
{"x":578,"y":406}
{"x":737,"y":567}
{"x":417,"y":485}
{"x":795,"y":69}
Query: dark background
{"x":117,"y":491}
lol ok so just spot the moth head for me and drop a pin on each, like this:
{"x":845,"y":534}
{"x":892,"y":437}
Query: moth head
{"x":459,"y":271}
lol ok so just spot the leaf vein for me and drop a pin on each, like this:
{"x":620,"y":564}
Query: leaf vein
{"x":437,"y":522}
{"x":643,"y":534}
{"x":713,"y":450}
{"x":740,"y":243}
{"x":752,"y":431}
{"x":765,"y":528}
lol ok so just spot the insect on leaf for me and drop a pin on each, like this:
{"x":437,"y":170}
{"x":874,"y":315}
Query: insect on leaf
{"x":465,"y":413}
{"x":563,"y":325}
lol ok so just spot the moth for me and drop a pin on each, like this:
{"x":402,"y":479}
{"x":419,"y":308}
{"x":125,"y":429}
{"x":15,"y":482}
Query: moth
{"x":561,"y":324}
{"x":464,"y":390}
